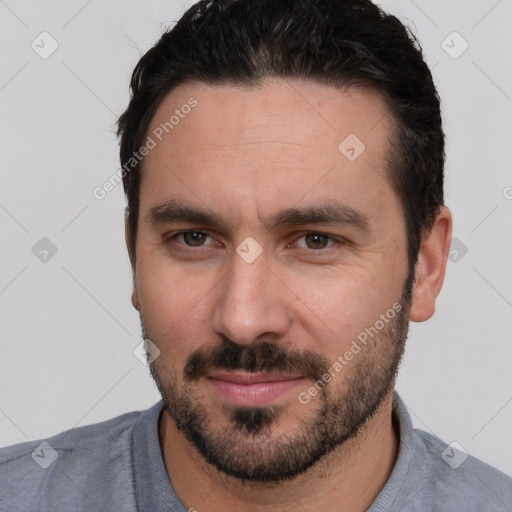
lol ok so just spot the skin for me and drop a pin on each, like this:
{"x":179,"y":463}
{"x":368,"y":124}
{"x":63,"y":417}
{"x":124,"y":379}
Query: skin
{"x":245,"y":153}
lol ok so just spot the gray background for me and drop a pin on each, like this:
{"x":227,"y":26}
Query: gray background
{"x":68,"y":330}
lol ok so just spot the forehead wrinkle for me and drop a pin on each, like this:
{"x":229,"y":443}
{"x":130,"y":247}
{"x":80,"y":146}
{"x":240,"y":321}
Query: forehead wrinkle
{"x":254,"y":143}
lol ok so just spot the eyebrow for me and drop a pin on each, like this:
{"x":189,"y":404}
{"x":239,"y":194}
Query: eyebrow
{"x":173,"y":211}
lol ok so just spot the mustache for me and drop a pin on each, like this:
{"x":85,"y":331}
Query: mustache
{"x":263,"y":357}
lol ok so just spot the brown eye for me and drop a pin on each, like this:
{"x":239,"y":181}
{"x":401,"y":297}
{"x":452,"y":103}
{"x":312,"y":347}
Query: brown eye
{"x":194,"y":238}
{"x":316,"y":240}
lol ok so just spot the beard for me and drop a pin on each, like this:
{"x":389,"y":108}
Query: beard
{"x":252,"y":447}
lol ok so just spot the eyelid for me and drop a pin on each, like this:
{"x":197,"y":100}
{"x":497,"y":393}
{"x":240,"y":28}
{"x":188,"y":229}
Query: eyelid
{"x":332,"y":238}
{"x":175,"y":234}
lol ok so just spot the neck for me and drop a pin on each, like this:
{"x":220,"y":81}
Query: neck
{"x":347,"y":479}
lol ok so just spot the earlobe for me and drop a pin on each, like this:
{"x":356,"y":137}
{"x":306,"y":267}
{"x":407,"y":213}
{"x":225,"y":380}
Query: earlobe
{"x":135,"y":298}
{"x":431,"y":267}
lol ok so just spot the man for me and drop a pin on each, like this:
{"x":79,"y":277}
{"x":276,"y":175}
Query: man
{"x":283,"y":165}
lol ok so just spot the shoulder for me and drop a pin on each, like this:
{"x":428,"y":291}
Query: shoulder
{"x":67,"y":466}
{"x":456,"y":478}
{"x":88,"y":437}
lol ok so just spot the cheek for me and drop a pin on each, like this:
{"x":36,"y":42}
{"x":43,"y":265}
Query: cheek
{"x":173,"y":304}
{"x":336,"y":312}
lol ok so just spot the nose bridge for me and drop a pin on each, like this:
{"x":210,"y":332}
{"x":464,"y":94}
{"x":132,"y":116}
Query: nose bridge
{"x":250,"y":303}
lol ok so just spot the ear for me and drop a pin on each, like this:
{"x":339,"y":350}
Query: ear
{"x":431,"y":267}
{"x":127,"y":236}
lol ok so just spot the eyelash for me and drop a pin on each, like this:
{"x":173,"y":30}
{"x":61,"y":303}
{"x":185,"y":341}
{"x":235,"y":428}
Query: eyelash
{"x":191,"y":249}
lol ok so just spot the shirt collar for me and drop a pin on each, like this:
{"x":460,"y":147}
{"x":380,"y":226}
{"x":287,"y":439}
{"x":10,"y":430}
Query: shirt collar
{"x":153,"y":488}
{"x":391,"y":490}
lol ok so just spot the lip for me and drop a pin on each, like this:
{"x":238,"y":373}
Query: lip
{"x":252,"y":389}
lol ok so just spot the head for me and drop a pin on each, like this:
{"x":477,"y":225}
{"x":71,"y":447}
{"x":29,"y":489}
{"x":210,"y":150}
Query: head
{"x":283,"y":166}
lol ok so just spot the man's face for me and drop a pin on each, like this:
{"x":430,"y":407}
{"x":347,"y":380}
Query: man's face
{"x":280,"y":327}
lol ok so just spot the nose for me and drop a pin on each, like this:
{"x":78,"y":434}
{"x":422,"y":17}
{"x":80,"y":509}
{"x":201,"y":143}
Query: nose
{"x":252,"y":301}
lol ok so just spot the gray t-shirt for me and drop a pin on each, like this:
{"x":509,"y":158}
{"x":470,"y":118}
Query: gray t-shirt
{"x":117,"y":465}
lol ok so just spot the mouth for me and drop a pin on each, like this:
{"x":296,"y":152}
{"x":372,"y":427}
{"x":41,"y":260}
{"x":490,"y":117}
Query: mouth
{"x":251,"y":389}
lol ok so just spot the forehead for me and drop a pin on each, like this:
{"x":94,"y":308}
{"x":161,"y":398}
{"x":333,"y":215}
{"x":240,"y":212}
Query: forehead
{"x":288,"y":111}
{"x":281,"y":142}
